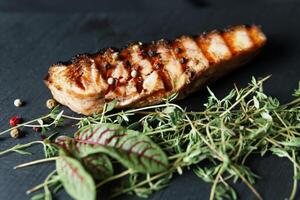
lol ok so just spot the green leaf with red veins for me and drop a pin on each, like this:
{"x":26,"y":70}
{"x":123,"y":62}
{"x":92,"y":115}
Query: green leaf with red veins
{"x":68,"y":145}
{"x":76,"y":181}
{"x":130,"y":148}
{"x":98,"y":165}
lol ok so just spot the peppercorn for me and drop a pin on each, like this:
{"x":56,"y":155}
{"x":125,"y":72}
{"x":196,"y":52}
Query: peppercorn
{"x":115,"y":55}
{"x":51,"y":103}
{"x":141,"y":53}
{"x":37,"y":129}
{"x":15,"y":133}
{"x":106,"y":65}
{"x":127,"y":63}
{"x":133,"y":73}
{"x":156,"y":64}
{"x":18,"y":102}
{"x":183,"y":60}
{"x":14,"y":121}
{"x":151,"y":53}
{"x":178,"y":50}
{"x":43,"y":137}
{"x":110,"y":81}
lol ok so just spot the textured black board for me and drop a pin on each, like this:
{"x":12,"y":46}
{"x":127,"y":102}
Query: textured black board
{"x":30,"y":43}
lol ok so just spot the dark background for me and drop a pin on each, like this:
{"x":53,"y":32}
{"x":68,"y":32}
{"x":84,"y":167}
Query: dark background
{"x":35,"y":34}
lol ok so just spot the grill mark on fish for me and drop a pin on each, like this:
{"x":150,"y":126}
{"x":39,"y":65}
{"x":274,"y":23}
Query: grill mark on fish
{"x":138,"y":80}
{"x":110,"y":67}
{"x":100,"y":66}
{"x":202,"y":43}
{"x":157,"y":64}
{"x":139,"y":84}
{"x":75,"y":73}
{"x":179,"y":53}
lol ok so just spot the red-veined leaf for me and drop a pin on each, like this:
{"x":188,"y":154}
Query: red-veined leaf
{"x":130,"y":148}
{"x":98,"y":164}
{"x":76,"y":181}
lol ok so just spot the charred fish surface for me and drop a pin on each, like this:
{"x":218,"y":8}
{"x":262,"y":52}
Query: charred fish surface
{"x":143,"y":74}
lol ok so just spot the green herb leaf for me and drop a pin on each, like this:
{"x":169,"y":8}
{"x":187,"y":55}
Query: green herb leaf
{"x":266,"y":116}
{"x":294,"y":142}
{"x":297,"y":91}
{"x":279,"y":152}
{"x":98,"y":165}
{"x":256,"y":102}
{"x":129,"y":147}
{"x":76,"y":181}
{"x":111,"y":105}
{"x":39,"y":196}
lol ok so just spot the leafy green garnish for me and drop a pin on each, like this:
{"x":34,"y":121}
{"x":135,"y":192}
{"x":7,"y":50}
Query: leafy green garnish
{"x":152,"y":143}
{"x":76,"y":181}
{"x":132,"y":149}
{"x":98,"y":165}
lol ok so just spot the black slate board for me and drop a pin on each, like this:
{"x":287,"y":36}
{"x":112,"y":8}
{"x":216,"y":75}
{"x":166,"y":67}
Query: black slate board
{"x":30,"y":43}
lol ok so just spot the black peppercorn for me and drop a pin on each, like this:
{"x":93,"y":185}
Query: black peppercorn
{"x":106,"y":65}
{"x":127,"y":63}
{"x":183,"y":60}
{"x":151,"y":53}
{"x":178,"y":50}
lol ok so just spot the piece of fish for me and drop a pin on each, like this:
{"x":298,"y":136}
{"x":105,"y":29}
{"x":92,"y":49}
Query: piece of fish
{"x":143,"y":74}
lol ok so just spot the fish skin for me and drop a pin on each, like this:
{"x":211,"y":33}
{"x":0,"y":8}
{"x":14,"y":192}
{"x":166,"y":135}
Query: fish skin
{"x":143,"y":74}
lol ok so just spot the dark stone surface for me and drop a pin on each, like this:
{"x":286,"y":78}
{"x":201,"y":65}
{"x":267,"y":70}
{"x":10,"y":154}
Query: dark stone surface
{"x":30,"y":43}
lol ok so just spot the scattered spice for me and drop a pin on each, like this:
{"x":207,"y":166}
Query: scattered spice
{"x":151,"y":53}
{"x":51,"y":103}
{"x":115,"y":55}
{"x":135,"y":47}
{"x":14,"y":121}
{"x":127,"y":63}
{"x":37,"y":129}
{"x":178,"y":50}
{"x":43,"y":137}
{"x":106,"y":65}
{"x":141,"y":53}
{"x":183,"y":60}
{"x":133,"y":73}
{"x":15,"y":133}
{"x":156,"y":64}
{"x":18,"y":102}
{"x":110,"y":81}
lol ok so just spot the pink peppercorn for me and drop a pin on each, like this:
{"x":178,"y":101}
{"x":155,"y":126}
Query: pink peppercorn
{"x":14,"y":121}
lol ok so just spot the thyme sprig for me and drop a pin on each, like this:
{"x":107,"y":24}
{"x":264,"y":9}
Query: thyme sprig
{"x":245,"y":122}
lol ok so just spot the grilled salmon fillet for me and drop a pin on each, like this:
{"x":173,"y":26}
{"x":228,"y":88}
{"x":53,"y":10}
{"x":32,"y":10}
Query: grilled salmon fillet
{"x":143,"y":74}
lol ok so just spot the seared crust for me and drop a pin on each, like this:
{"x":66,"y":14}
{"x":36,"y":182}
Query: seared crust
{"x":142,"y":74}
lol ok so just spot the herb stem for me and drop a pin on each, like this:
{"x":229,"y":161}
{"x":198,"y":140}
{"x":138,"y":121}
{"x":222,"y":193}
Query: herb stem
{"x":294,"y":189}
{"x":199,"y":134}
{"x":24,"y":124}
{"x":292,"y":102}
{"x":245,"y":95}
{"x":71,"y":117}
{"x":160,"y":131}
{"x":213,"y":188}
{"x":138,"y":109}
{"x":114,"y":178}
{"x":47,"y":182}
{"x":35,"y":162}
{"x":139,"y":184}
{"x":247,"y":183}
{"x":19,"y":146}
